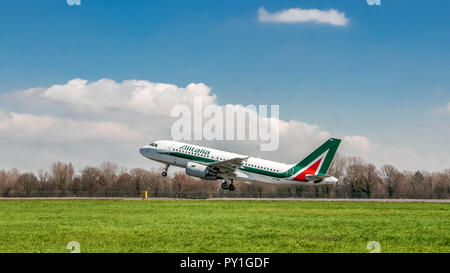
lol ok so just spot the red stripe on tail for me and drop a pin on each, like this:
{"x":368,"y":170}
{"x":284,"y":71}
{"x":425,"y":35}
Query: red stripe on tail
{"x":311,"y":170}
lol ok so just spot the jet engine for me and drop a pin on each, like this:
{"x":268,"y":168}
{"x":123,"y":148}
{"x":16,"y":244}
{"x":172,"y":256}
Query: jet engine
{"x":200,"y":171}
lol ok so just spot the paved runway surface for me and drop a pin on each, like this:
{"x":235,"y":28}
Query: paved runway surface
{"x":237,"y":199}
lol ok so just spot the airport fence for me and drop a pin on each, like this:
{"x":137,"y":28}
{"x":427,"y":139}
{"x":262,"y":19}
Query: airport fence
{"x":209,"y":195}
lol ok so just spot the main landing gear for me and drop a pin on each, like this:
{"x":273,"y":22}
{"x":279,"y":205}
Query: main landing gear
{"x":164,"y":173}
{"x":227,"y":186}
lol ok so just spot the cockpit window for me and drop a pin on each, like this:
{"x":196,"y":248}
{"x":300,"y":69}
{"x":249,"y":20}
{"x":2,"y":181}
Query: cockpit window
{"x":153,"y":144}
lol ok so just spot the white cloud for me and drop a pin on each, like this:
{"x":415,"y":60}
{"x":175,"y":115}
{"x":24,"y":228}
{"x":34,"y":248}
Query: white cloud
{"x":24,"y":125}
{"x":298,"y":15}
{"x":73,"y":2}
{"x":90,"y":122}
{"x":131,"y":95}
{"x":444,"y":110}
{"x":356,"y":146}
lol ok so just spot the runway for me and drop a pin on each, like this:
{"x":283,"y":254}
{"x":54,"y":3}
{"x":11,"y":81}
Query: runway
{"x":239,"y":199}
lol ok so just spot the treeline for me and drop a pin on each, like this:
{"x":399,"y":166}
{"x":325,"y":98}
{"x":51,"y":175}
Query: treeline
{"x":358,"y":180}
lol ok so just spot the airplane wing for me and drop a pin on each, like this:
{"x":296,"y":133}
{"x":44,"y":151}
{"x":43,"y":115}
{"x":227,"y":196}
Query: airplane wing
{"x":228,"y":166}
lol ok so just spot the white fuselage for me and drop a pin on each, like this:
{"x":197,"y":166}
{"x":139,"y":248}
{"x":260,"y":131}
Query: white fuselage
{"x":169,"y":153}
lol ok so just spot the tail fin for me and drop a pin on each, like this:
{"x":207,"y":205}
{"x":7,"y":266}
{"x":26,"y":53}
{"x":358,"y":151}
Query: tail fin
{"x":317,"y":163}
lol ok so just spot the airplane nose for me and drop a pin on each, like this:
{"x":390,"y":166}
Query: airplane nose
{"x":146,"y":151}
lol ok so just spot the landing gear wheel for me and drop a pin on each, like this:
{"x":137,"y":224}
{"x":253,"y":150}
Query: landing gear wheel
{"x":164,"y":173}
{"x":231,"y":187}
{"x":224,"y":185}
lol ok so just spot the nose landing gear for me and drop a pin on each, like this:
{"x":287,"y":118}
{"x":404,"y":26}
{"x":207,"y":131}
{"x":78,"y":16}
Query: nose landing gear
{"x":164,"y":173}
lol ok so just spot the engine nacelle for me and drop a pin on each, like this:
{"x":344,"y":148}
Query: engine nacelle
{"x":200,"y":171}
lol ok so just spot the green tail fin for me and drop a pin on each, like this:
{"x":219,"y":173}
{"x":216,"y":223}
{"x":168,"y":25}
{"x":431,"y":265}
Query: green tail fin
{"x":330,"y":147}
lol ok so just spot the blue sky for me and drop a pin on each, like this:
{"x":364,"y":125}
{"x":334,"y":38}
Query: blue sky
{"x":383,"y":75}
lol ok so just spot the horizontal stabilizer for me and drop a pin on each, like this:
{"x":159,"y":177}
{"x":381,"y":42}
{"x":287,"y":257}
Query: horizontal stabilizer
{"x":316,"y":178}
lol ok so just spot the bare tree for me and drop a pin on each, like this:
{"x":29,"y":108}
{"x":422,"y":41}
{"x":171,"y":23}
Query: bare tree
{"x":293,"y":190}
{"x":210,"y":188}
{"x":353,"y":179}
{"x":441,"y":184}
{"x":141,"y":179}
{"x":109,"y":171}
{"x":180,"y":184}
{"x":357,"y":179}
{"x":43,"y":181}
{"x":92,"y":180}
{"x":155,"y":183}
{"x":123,"y":185}
{"x":75,"y":186}
{"x":337,"y":169}
{"x":283,"y":191}
{"x":62,"y":174}
{"x":361,"y":178}
{"x":416,"y":183}
{"x":371,"y":180}
{"x":392,"y":179}
{"x":7,"y":181}
{"x":26,"y":183}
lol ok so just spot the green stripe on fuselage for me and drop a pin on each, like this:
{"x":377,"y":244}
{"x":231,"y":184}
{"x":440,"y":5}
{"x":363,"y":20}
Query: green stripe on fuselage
{"x":191,"y":157}
{"x":243,"y":168}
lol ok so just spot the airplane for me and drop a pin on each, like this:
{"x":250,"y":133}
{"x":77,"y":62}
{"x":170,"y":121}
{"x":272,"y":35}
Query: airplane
{"x":212,"y":164}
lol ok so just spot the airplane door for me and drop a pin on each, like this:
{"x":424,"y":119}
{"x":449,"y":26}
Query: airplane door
{"x":172,"y":159}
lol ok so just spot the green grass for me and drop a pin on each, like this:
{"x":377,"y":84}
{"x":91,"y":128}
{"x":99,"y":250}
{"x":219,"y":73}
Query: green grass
{"x":222,"y":226}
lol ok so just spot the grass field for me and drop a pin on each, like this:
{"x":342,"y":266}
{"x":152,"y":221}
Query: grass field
{"x":222,"y":226}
